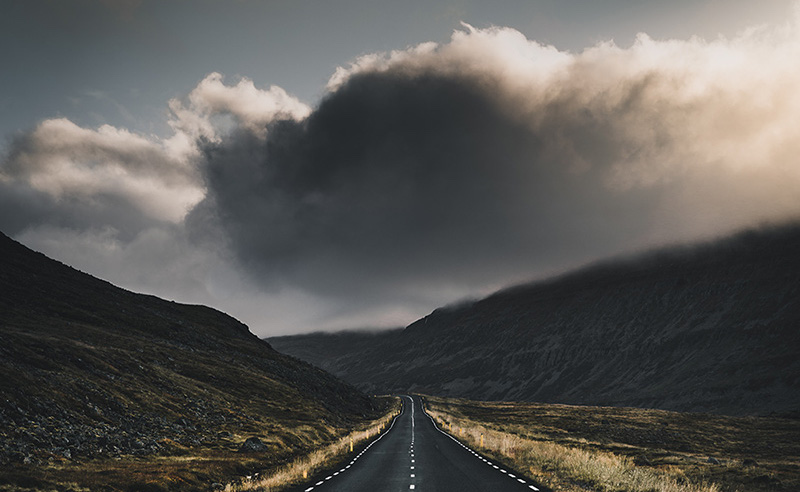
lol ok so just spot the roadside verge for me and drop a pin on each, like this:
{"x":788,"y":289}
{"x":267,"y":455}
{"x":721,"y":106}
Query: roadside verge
{"x":301,"y":468}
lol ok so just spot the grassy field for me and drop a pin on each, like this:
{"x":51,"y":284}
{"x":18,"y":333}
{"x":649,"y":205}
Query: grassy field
{"x":577,"y":448}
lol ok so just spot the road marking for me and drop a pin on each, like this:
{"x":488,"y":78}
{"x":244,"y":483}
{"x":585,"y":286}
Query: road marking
{"x":411,"y":486}
{"x":362,"y":451}
{"x":476,"y":454}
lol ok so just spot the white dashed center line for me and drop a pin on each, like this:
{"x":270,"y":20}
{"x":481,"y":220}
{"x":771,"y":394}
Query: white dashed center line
{"x":412,"y":475}
{"x":411,"y":449}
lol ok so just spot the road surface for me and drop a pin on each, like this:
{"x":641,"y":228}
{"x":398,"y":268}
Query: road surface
{"x":415,"y":455}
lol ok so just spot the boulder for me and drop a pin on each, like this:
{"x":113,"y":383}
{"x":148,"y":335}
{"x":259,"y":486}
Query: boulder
{"x":253,"y":445}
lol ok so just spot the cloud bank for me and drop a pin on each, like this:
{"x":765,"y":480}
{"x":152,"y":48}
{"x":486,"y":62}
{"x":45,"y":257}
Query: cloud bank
{"x":423,"y":175}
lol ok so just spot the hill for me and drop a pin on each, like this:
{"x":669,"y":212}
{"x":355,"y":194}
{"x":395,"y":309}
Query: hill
{"x":713,"y":327}
{"x":105,"y":388}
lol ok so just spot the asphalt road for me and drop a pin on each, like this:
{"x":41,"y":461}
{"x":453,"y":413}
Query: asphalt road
{"x":415,"y":455}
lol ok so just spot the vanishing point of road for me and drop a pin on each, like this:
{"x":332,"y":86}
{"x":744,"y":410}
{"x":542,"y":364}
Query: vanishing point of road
{"x":415,"y":455}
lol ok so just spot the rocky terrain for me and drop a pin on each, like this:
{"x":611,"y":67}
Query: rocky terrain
{"x":712,"y":327}
{"x":101,"y":385}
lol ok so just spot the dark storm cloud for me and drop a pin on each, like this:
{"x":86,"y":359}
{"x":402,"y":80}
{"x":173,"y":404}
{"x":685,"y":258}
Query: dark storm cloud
{"x":493,"y":159}
{"x":399,"y":180}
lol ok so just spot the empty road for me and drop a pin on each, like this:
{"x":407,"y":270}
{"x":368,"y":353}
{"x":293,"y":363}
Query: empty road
{"x":415,"y":455}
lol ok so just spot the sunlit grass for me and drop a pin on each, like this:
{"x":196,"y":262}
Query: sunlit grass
{"x":315,"y":461}
{"x":565,"y":467}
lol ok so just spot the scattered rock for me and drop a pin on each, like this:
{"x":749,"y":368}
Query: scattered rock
{"x":253,"y":445}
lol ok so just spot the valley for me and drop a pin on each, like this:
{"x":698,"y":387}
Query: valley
{"x":678,"y":367}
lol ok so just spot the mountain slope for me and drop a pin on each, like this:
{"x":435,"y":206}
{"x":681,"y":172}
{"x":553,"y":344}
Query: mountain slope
{"x":714,"y":327}
{"x":89,"y":371}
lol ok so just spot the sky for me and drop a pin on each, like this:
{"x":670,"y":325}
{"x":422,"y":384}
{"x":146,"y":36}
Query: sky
{"x":325,"y":165}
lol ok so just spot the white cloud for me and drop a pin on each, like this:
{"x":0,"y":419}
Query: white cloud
{"x":159,"y":176}
{"x":252,"y":108}
{"x":67,"y":161}
{"x":718,"y":117}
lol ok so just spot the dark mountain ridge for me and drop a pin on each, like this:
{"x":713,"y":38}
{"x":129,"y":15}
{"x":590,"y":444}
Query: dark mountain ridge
{"x":90,"y":371}
{"x":712,"y":327}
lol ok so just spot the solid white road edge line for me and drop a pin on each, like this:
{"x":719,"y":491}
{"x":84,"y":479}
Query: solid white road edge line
{"x":473,"y":452}
{"x":362,"y":452}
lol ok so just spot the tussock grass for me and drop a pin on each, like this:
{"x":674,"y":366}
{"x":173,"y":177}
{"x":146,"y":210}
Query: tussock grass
{"x":317,"y":460}
{"x":565,"y":467}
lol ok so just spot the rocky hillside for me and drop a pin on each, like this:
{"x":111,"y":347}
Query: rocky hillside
{"x":89,"y":371}
{"x":713,"y":327}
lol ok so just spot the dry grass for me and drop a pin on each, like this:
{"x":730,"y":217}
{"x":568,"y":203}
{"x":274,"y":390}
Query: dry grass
{"x":566,"y":467}
{"x":180,"y":467}
{"x":738,"y":454}
{"x":317,"y":460}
